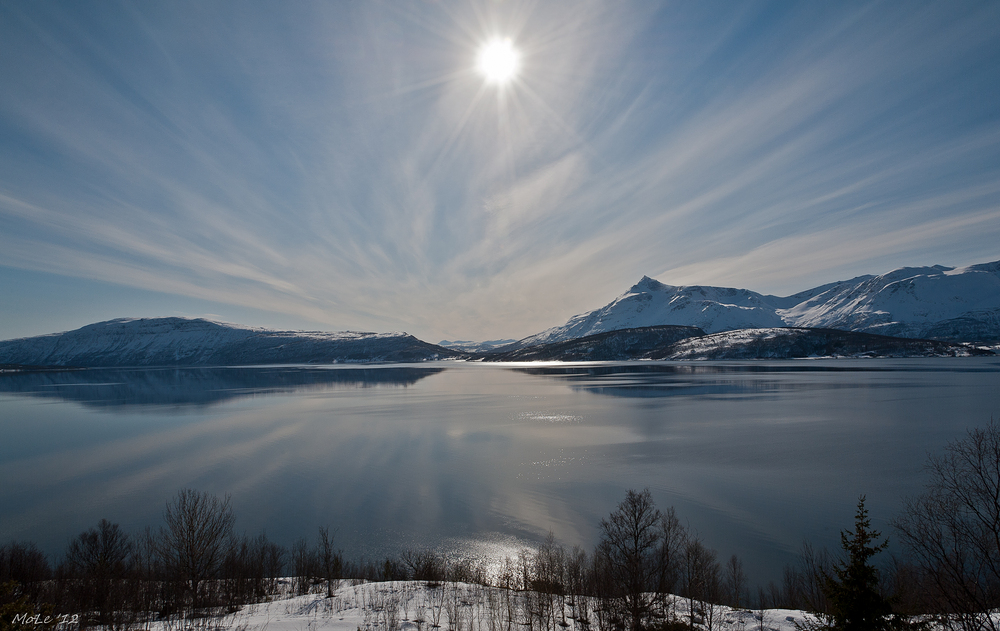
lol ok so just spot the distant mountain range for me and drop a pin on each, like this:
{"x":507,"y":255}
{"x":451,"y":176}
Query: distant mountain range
{"x":467,"y":346}
{"x":684,"y":342}
{"x":197,"y":342}
{"x":907,"y":312}
{"x":939,"y":303}
{"x":623,"y":344}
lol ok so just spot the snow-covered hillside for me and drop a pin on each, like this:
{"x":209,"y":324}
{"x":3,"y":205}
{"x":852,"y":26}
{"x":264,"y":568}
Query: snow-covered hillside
{"x":788,"y":343}
{"x":651,"y":303}
{"x":686,"y":343}
{"x":420,"y":605}
{"x":958,"y":304}
{"x":198,"y":342}
{"x":933,"y":302}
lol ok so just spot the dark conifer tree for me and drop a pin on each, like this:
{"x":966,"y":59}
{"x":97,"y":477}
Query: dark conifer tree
{"x":855,"y":602}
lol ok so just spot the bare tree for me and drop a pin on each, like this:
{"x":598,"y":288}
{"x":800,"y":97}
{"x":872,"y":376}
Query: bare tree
{"x":436,"y":604}
{"x":549,"y":581}
{"x":953,"y":529}
{"x":702,"y":581}
{"x":194,"y":542}
{"x":26,"y":565}
{"x":250,"y":569}
{"x":304,"y":565}
{"x":274,"y":562}
{"x":424,"y":565}
{"x":761,"y":614}
{"x":100,"y":560}
{"x":630,"y":539}
{"x":673,"y":540}
{"x":815,"y":567}
{"x":576,"y":575}
{"x":736,"y":583}
{"x":331,"y":561}
{"x":601,"y":584}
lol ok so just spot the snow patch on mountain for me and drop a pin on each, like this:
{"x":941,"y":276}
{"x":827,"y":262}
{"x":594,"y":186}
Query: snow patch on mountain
{"x":906,"y":302}
{"x":786,"y":343}
{"x":652,"y":303}
{"x":938,"y":302}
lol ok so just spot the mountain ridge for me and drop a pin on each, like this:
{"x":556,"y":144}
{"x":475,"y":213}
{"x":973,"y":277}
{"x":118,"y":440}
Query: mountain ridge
{"x":957,"y":304}
{"x":174,"y":341}
{"x":935,"y":303}
{"x":669,"y":342}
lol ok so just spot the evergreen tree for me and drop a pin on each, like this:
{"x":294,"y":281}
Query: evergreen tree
{"x":856,"y":604}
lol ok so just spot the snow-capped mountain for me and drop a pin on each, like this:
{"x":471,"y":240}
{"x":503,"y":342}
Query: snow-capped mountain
{"x":467,"y":346}
{"x":686,"y":343}
{"x":618,"y":345}
{"x":938,"y":303}
{"x":928,"y":302}
{"x":959,"y":304}
{"x":198,"y":342}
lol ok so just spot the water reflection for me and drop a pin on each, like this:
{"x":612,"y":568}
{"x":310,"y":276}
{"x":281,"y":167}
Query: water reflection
{"x":666,"y":368}
{"x":110,"y":387}
{"x":734,"y":380}
{"x":754,"y":457}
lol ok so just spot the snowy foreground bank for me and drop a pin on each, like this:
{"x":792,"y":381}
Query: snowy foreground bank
{"x":422,"y":606}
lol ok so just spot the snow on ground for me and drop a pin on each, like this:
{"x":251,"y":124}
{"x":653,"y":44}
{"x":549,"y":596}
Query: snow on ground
{"x":416,"y":606}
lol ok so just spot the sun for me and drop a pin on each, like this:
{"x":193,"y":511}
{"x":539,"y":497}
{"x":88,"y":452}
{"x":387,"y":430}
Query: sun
{"x":498,"y":61}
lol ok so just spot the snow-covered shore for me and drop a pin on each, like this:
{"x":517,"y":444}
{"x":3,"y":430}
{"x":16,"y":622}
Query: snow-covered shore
{"x":422,"y":606}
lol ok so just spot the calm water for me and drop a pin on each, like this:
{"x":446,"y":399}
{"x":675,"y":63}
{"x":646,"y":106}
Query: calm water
{"x":481,"y":459}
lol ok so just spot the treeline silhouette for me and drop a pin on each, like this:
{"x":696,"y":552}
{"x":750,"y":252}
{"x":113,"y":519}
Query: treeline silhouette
{"x":195,"y":565}
{"x":648,"y":572}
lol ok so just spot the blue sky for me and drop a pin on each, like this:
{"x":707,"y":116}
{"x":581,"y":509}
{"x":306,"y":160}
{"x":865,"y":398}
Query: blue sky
{"x":342,"y":165}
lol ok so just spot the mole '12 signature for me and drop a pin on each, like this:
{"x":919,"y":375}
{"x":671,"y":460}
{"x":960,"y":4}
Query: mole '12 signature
{"x":39,"y":619}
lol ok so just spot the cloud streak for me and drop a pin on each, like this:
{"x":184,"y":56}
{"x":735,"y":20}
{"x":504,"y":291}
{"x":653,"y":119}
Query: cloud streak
{"x":346,"y":166}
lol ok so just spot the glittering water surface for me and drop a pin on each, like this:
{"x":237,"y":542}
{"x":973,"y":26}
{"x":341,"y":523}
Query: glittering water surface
{"x":756,"y":457}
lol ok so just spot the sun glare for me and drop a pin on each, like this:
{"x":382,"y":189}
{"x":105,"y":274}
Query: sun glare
{"x":498,"y":61}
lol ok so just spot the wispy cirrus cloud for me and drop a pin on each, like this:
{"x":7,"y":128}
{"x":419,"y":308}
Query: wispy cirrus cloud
{"x":343,"y":164}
